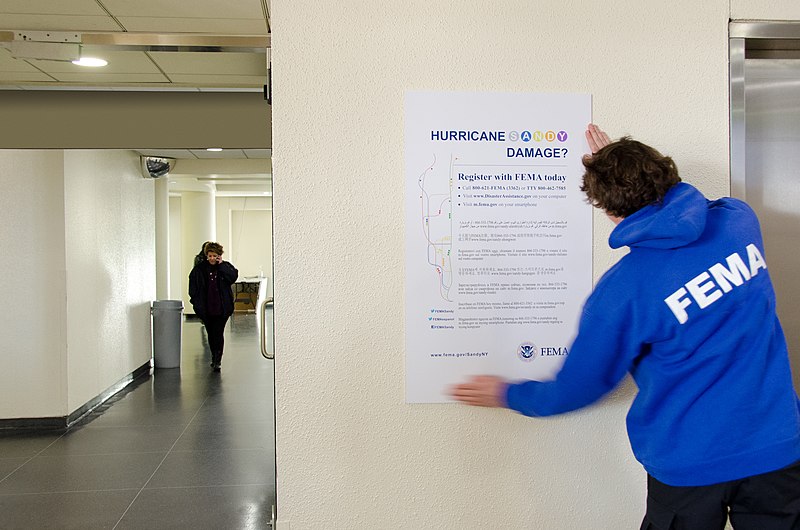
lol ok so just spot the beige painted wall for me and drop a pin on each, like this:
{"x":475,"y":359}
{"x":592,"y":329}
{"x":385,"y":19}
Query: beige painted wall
{"x":78,"y":229}
{"x":244,"y":228}
{"x":198,"y":224}
{"x":351,"y":454}
{"x":110,"y":242}
{"x":33,"y":331}
{"x":175,"y":259}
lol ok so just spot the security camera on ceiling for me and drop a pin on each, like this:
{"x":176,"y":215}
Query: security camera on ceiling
{"x":154,"y":167}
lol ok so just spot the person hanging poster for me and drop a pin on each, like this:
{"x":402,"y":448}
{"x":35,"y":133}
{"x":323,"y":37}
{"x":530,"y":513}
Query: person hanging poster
{"x":498,"y":235}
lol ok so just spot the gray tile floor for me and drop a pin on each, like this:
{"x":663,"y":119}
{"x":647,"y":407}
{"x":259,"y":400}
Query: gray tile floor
{"x":180,"y":448}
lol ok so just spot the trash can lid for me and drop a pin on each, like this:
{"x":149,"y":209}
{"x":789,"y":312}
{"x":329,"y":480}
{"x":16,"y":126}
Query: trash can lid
{"x":168,"y":304}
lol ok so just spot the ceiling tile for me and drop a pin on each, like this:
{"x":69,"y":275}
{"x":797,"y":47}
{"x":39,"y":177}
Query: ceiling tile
{"x":159,"y":87}
{"x":23,"y":77}
{"x":207,"y":71}
{"x":9,"y":64}
{"x":258,"y":153}
{"x":227,"y":153}
{"x":213,"y":26}
{"x":118,"y":63}
{"x":68,"y":77}
{"x":59,"y":23}
{"x":263,"y":188}
{"x":169,"y":153}
{"x":51,"y":7}
{"x":218,"y":80}
{"x":65,"y":87}
{"x":202,"y":63}
{"x":259,"y":89}
{"x":195,"y":9}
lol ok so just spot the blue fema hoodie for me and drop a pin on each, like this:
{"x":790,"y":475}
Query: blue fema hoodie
{"x":689,"y":312}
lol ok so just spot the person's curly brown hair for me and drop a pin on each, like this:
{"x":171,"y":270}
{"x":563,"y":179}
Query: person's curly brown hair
{"x":214,"y":247}
{"x":627,"y":175}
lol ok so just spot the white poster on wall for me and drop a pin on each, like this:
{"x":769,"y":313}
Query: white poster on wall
{"x":498,"y":236}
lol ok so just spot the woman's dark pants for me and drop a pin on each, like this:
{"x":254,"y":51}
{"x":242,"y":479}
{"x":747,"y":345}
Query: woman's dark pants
{"x":215,"y":328}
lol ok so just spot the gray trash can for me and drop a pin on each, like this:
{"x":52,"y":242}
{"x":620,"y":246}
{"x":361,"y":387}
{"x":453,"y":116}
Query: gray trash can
{"x":167,"y":332}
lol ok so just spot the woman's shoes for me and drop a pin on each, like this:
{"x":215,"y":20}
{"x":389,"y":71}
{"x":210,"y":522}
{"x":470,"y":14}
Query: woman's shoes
{"x":216,"y":361}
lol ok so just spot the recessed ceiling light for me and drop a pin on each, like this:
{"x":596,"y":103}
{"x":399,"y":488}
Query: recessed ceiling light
{"x":215,"y":149}
{"x":90,"y":61}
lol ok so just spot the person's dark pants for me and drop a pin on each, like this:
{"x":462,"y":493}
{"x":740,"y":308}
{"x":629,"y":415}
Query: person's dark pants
{"x":215,"y":328}
{"x":762,"y":502}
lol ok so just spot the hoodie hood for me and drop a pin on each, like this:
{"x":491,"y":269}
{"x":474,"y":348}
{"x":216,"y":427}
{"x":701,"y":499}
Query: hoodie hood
{"x":674,"y":222}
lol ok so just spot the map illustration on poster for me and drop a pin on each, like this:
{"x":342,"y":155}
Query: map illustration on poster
{"x":498,"y":235}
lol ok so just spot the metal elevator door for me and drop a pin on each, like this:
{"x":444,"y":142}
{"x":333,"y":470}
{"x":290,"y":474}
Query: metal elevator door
{"x":766,"y":131}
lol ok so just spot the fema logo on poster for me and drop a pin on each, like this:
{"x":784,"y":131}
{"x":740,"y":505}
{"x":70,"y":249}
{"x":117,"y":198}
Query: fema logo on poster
{"x":527,"y":351}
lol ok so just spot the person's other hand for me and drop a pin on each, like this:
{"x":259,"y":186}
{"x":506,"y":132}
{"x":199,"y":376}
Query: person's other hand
{"x":596,"y":137}
{"x":481,"y":391}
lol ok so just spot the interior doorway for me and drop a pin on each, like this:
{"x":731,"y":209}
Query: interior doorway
{"x":177,"y":76}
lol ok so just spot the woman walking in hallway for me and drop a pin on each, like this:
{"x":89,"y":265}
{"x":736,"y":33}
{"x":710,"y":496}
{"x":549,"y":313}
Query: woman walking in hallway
{"x":211,"y":295}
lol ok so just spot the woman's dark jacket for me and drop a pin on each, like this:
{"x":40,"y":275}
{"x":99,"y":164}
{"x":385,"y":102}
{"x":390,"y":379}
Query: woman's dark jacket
{"x":198,"y":286}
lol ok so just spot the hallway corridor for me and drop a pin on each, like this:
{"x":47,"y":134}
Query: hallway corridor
{"x":180,"y":448}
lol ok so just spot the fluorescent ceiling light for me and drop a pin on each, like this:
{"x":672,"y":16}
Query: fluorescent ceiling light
{"x":90,"y":61}
{"x":215,"y":149}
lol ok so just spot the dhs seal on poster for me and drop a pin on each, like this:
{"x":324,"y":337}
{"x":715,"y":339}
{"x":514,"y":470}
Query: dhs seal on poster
{"x":527,"y":351}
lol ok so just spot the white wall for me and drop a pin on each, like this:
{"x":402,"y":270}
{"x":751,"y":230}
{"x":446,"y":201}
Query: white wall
{"x":350,"y":452}
{"x":175,"y":244}
{"x":78,"y":230}
{"x":33,"y":378}
{"x":244,"y":228}
{"x":198,"y":225}
{"x":110,"y":257}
